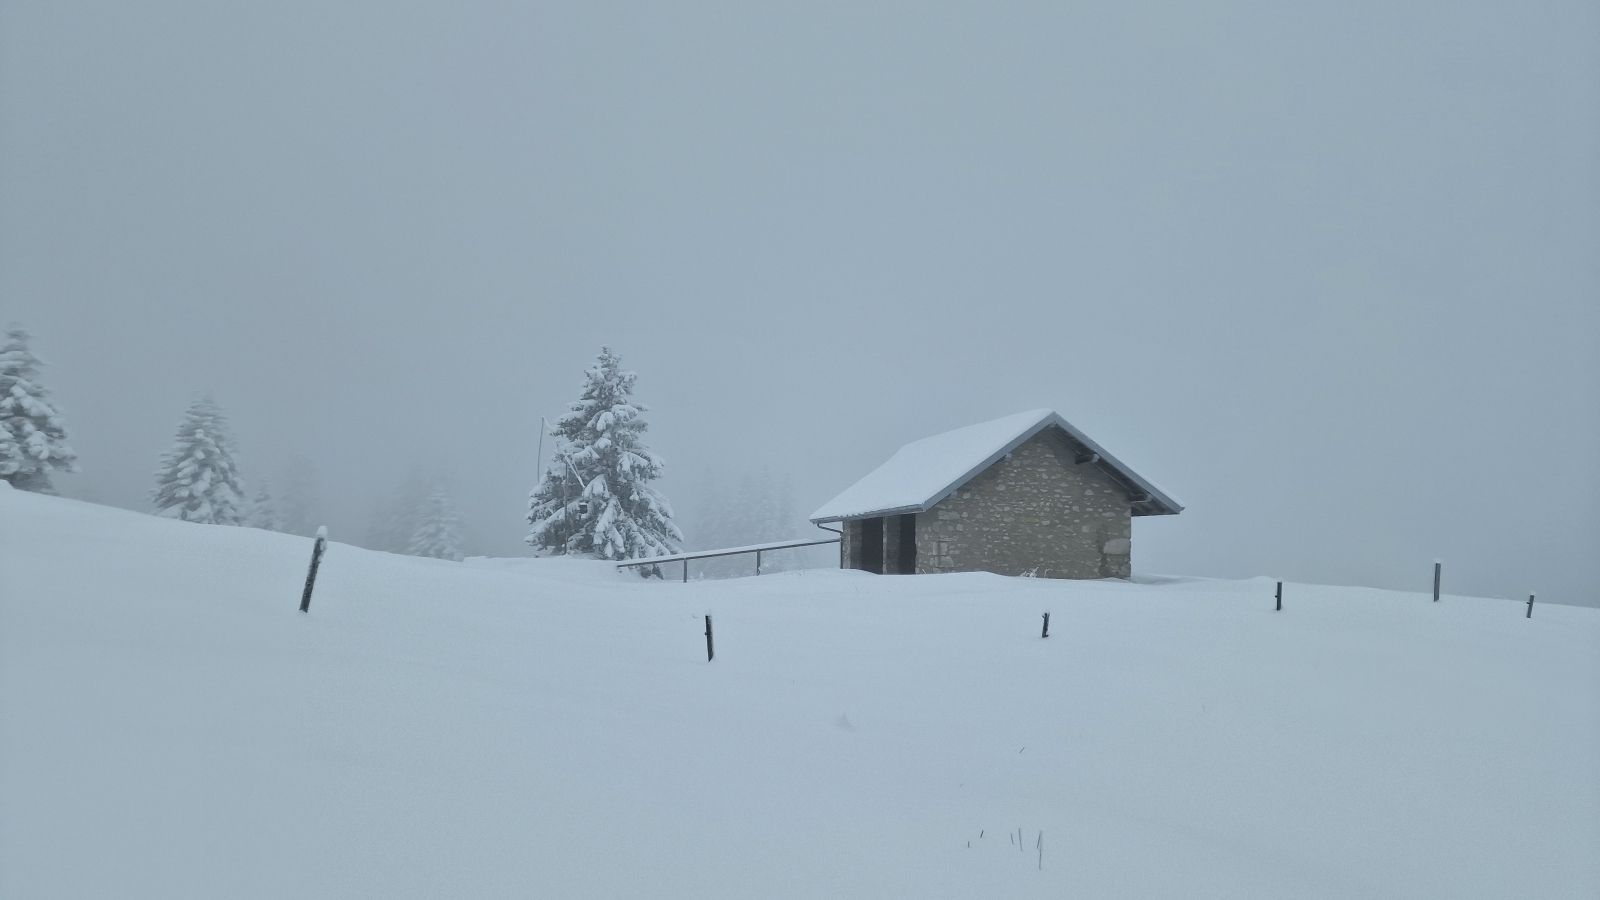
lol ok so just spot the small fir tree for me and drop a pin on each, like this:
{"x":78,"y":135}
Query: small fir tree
{"x":595,"y":498}
{"x":263,"y":512}
{"x":438,"y":533}
{"x":197,"y":481}
{"x":33,"y":436}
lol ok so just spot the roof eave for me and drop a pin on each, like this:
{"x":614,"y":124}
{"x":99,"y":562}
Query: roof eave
{"x":871,"y":514}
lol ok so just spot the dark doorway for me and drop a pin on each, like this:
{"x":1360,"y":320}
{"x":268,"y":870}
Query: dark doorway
{"x":872,"y":545}
{"x":908,"y":544}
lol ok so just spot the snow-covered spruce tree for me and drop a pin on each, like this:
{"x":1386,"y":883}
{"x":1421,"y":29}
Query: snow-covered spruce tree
{"x":595,"y":498}
{"x":197,"y":481}
{"x":33,"y":437}
{"x":263,"y":512}
{"x":438,"y":531}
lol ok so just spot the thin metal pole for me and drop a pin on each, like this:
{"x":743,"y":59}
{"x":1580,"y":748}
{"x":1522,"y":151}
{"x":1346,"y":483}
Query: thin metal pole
{"x":538,"y":459}
{"x":1280,"y":597}
{"x":710,"y":652}
{"x":1530,"y":606}
{"x":686,"y":571}
{"x":1438,"y":566}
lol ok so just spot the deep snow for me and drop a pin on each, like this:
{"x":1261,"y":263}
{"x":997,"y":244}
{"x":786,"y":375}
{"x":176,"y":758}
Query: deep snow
{"x":174,"y":727}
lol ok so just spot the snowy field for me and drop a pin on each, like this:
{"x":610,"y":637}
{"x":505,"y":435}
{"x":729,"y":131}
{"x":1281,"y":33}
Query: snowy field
{"x":174,"y":728}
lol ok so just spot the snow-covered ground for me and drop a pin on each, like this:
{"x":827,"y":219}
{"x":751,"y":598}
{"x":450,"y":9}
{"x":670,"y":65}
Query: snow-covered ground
{"x":171,"y":726}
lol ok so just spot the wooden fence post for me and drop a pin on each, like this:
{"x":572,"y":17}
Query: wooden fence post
{"x":1046,"y":632}
{"x":1530,"y":606}
{"x":710,"y":652}
{"x":1280,"y":598}
{"x":1438,"y":566}
{"x":311,"y":574}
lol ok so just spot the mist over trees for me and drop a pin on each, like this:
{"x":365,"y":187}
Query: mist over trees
{"x":263,"y":511}
{"x":756,"y":508}
{"x":299,"y":499}
{"x":395,"y":518}
{"x":33,"y":435}
{"x":197,"y":480}
{"x":438,"y":529}
{"x":595,"y":498}
{"x":418,"y":518}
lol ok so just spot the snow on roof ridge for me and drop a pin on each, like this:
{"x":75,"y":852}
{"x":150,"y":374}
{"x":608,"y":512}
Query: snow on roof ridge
{"x":926,"y":471}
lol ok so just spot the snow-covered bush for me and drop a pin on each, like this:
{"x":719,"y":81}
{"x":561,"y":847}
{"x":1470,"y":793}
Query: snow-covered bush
{"x":595,"y":498}
{"x":33,"y":436}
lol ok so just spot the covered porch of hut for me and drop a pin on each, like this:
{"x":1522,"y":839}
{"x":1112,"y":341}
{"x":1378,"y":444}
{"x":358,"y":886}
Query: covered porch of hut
{"x":883,"y":545}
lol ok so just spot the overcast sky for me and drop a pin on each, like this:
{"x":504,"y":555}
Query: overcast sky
{"x":1325,"y":271}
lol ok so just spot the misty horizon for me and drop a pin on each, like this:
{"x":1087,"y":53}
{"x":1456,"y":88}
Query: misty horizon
{"x":1327,"y":275}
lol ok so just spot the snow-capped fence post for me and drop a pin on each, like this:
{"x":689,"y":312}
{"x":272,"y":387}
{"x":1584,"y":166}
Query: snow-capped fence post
{"x":1530,"y":606}
{"x":311,"y":574}
{"x":1046,"y":632}
{"x":710,"y":653}
{"x":1280,"y":598}
{"x":1438,"y":567}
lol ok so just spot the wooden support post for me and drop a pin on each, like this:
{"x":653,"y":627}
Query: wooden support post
{"x":1530,"y":606}
{"x":1280,"y":597}
{"x":311,"y":574}
{"x":710,"y":652}
{"x":1046,"y":632}
{"x":1438,"y":567}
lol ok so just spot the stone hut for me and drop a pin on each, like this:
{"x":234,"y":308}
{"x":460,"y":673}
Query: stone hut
{"x":1028,"y":494}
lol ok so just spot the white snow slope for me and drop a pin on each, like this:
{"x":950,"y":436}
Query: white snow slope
{"x":171,"y":726}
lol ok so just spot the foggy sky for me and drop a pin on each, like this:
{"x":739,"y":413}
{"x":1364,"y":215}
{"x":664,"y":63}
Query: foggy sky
{"x":1327,"y":272}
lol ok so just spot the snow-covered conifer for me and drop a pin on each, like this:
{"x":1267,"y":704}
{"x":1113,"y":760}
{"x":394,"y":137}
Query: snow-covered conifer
{"x":263,"y":512}
{"x":197,"y":481}
{"x":595,"y":498}
{"x":33,"y":436}
{"x":438,"y":531}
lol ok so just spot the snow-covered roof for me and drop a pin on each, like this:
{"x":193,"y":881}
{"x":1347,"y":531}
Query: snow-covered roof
{"x":924,"y":472}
